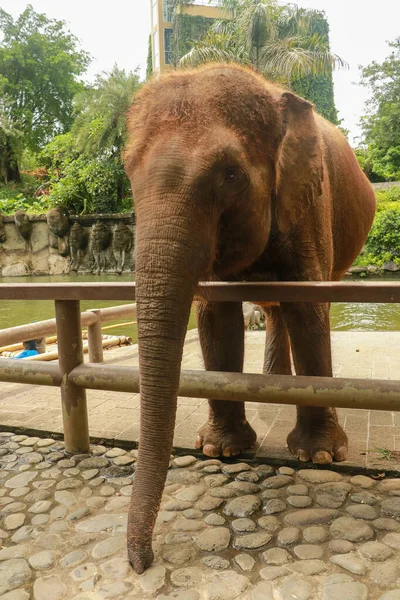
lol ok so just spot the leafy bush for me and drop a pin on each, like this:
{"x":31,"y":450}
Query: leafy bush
{"x":8,"y":206}
{"x":384,"y":239}
{"x":390,"y":195}
{"x":82,"y":182}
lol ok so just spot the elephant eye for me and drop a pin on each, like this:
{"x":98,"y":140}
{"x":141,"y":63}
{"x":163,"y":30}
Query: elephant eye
{"x":231,"y":174}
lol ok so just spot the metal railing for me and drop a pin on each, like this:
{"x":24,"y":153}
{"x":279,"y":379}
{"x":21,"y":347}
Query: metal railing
{"x":73,"y":377}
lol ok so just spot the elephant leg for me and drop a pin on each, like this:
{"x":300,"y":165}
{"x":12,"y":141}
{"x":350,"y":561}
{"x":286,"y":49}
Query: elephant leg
{"x":221,"y":332}
{"x":277,"y":345}
{"x":317,"y":435}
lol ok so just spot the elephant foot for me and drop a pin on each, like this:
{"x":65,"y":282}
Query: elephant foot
{"x":140,"y":557}
{"x":225,"y":439}
{"x":319,"y":442}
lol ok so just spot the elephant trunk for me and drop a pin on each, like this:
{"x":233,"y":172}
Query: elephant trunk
{"x":171,"y":256}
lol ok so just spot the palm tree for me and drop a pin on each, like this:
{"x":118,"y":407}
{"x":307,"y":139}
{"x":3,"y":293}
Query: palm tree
{"x":277,"y":40}
{"x":100,"y":124}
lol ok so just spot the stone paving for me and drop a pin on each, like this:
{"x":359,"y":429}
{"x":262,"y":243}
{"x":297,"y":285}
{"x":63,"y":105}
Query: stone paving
{"x":225,"y":531}
{"x":374,"y":435}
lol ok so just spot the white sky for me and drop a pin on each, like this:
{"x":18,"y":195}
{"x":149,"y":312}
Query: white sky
{"x":117,"y":32}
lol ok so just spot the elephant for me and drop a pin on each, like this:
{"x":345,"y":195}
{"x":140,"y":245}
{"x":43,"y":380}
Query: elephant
{"x":253,"y":315}
{"x":23,"y":224}
{"x":78,"y":242}
{"x":58,"y":222}
{"x":234,"y":179}
{"x":101,"y":239}
{"x":122,"y":243}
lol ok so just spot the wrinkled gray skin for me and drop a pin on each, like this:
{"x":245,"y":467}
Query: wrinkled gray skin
{"x":2,"y":230}
{"x":122,"y":243}
{"x":58,"y":223}
{"x":78,"y":243}
{"x":23,"y":224}
{"x":101,"y":240}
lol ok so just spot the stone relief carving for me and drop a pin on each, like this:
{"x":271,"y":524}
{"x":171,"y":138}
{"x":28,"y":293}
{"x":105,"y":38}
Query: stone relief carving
{"x":58,"y":243}
{"x":78,"y":243}
{"x":122,"y":244}
{"x":23,"y":224}
{"x":2,"y":230}
{"x":100,"y":242}
{"x":58,"y":222}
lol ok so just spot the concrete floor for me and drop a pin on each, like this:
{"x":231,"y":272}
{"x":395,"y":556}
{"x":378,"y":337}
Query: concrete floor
{"x":374,"y":436}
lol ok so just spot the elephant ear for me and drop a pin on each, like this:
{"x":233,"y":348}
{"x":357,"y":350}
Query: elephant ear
{"x":299,"y":173}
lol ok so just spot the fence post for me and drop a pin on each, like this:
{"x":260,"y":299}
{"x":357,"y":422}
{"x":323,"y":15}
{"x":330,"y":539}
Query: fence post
{"x":70,"y":355}
{"x":95,"y":339}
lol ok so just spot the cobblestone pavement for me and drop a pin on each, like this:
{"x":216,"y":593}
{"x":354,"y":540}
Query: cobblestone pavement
{"x":225,"y":530}
{"x":374,"y":435}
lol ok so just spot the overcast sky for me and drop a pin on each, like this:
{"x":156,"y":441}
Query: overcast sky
{"x":117,"y":32}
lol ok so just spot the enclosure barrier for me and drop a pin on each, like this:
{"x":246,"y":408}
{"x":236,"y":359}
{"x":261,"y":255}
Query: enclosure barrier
{"x":74,"y":377}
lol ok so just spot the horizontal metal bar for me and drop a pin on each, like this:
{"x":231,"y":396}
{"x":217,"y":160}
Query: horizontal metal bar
{"x":32,"y":372}
{"x":276,"y":389}
{"x":32,"y":331}
{"x":304,"y":291}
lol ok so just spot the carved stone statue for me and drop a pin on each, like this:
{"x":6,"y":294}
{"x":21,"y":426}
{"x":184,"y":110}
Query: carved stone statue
{"x":78,"y":242}
{"x":23,"y":224}
{"x":58,"y":222}
{"x":101,"y":240}
{"x":2,"y":230}
{"x":122,"y":243}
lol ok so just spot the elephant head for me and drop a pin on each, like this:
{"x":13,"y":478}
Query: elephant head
{"x":219,"y":160}
{"x":23,"y":224}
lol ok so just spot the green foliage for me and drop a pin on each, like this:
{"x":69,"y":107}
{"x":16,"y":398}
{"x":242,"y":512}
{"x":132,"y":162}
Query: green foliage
{"x":390,"y":195}
{"x":276,"y":39}
{"x":384,"y":238}
{"x":30,"y":205}
{"x":149,"y":66}
{"x":40,"y":63}
{"x":318,"y":88}
{"x":100,"y":123}
{"x":187,"y":30}
{"x":381,"y":125}
{"x":366,"y":163}
{"x":83,"y":182}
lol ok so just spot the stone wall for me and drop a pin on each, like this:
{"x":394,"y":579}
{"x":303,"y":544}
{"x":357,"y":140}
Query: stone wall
{"x":89,"y":244}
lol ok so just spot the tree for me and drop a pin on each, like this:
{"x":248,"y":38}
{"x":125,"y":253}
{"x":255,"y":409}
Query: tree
{"x":277,"y":40}
{"x":381,"y":125}
{"x":85,"y":165}
{"x":100,"y":124}
{"x":100,"y":111}
{"x":40,"y":63}
{"x":10,"y":143}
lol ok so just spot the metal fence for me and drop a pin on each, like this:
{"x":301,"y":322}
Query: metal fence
{"x":73,"y":377}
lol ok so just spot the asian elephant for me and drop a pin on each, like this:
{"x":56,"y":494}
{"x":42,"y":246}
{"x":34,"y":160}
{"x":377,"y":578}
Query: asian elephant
{"x":234,"y":178}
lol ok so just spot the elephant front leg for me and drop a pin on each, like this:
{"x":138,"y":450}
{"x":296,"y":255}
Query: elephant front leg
{"x":221,"y":332}
{"x":317,"y":435}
